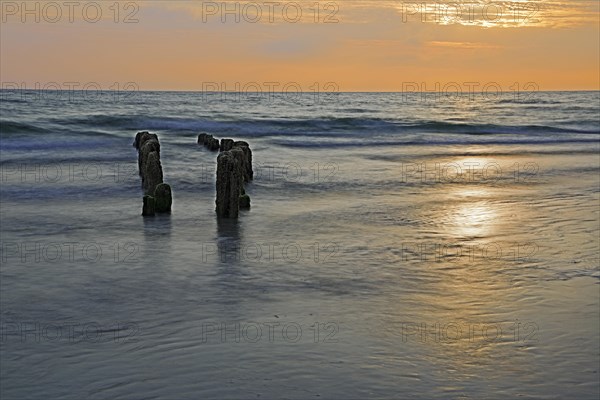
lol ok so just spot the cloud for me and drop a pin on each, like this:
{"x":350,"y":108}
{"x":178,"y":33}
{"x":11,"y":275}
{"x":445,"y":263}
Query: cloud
{"x":499,"y":14}
{"x":463,"y":45}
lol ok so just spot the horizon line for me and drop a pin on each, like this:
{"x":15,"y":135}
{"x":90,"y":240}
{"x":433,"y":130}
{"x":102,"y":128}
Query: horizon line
{"x":295,"y":93}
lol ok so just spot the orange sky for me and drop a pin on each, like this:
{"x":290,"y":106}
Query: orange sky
{"x":360,"y":45}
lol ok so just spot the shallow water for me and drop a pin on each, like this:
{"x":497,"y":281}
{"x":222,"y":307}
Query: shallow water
{"x":394,"y":249}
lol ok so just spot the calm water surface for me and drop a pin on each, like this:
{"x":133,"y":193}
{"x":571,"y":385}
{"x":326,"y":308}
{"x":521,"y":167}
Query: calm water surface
{"x":395,"y":249}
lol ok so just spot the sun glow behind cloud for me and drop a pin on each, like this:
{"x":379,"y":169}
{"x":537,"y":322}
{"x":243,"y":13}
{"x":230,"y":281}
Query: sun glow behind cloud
{"x":499,"y":14}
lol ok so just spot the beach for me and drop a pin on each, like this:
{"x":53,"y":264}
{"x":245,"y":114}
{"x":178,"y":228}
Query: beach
{"x":397,"y":247}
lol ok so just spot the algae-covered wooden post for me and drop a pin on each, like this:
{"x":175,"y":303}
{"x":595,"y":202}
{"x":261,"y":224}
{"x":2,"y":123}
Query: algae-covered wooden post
{"x":157,"y":194}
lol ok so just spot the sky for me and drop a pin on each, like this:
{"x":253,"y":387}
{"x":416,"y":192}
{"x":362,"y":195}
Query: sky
{"x":345,"y":45}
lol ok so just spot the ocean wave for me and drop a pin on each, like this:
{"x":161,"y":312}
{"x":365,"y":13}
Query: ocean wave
{"x":100,"y":120}
{"x":91,"y":158}
{"x":429,"y":142}
{"x":8,"y":127}
{"x":6,"y":99}
{"x":338,"y":126}
{"x":528,"y":101}
{"x":91,"y":142}
{"x":352,"y":125}
{"x":451,"y":152}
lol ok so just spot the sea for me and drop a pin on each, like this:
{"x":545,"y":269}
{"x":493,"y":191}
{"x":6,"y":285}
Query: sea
{"x":398,"y":246}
